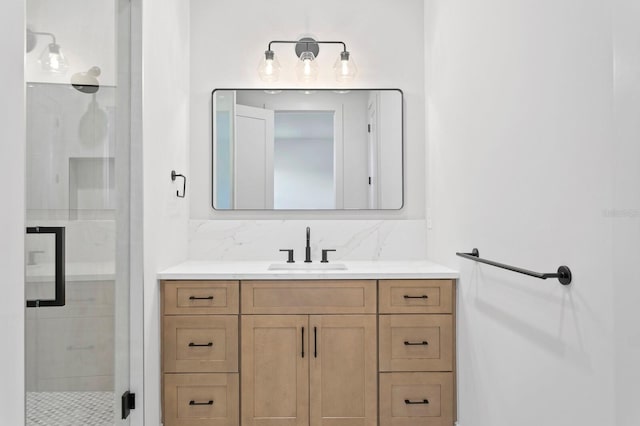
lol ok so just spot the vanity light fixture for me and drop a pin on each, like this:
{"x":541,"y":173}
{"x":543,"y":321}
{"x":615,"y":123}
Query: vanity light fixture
{"x":307,"y":49}
{"x":51,"y":59}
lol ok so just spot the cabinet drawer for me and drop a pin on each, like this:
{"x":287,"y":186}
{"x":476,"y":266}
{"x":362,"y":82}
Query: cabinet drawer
{"x":70,"y":347}
{"x":416,"y":296}
{"x":200,"y":297}
{"x":200,"y":343}
{"x":416,"y":343}
{"x":83,"y":299}
{"x":201,"y":399}
{"x":409,"y":399}
{"x":309,"y":297}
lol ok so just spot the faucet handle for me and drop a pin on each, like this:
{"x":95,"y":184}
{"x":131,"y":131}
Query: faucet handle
{"x":324,"y":255}
{"x":290,"y":251}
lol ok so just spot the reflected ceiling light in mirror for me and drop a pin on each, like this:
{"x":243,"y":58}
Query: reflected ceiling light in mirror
{"x":51,"y":59}
{"x":272,"y":92}
{"x":307,"y":49}
{"x":308,"y":92}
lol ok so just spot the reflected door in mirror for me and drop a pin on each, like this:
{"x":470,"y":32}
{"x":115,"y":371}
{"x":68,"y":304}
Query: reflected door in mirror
{"x":307,"y":149}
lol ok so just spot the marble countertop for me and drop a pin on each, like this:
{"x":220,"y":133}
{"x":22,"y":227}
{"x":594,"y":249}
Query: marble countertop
{"x":246,"y":270}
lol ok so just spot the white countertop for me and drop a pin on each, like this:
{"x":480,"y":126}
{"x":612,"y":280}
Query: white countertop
{"x":245,"y":270}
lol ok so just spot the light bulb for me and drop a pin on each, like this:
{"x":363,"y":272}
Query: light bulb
{"x":307,"y":67}
{"x":345,"y":68}
{"x":269,"y":68}
{"x":53,"y":60}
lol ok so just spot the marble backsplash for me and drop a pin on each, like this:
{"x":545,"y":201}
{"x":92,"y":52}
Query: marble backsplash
{"x":352,"y":239}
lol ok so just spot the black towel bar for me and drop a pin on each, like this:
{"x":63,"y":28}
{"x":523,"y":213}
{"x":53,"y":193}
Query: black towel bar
{"x":563,"y":275}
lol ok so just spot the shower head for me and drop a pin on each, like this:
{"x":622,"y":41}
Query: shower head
{"x":86,"y":82}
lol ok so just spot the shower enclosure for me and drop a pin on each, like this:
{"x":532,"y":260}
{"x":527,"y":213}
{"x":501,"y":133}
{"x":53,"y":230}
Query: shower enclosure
{"x":78,"y":212}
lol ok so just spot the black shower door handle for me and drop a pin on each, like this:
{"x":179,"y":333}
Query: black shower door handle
{"x":59,"y":300}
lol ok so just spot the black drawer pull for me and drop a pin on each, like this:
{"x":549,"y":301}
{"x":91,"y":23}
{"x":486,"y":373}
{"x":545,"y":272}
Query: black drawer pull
{"x":191,"y":345}
{"x":408,"y":402}
{"x":201,"y":298}
{"x":302,"y":343}
{"x":80,"y":348}
{"x":424,"y":296}
{"x":315,"y":342}
{"x":192,"y":402}
{"x":423,"y":343}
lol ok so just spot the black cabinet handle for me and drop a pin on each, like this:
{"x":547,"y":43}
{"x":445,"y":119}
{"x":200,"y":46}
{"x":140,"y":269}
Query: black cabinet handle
{"x":315,"y":342}
{"x":408,"y":402}
{"x":200,"y":344}
{"x":192,"y":402}
{"x":80,"y":348}
{"x":423,"y":343}
{"x":424,"y":296}
{"x":201,"y":298}
{"x":302,"y":344}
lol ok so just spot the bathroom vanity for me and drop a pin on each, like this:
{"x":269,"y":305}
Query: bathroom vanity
{"x":370,"y":344}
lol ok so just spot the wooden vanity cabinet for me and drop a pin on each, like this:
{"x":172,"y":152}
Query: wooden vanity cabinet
{"x":275,"y":374}
{"x":417,"y":352}
{"x":309,"y":353}
{"x":343,"y":375}
{"x":200,"y":353}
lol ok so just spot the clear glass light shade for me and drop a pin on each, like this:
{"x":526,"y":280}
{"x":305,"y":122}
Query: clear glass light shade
{"x":345,"y":68}
{"x":269,"y":68}
{"x":307,"y":67}
{"x":53,"y":60}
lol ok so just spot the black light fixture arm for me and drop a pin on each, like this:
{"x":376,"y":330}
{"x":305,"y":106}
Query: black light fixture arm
{"x":308,"y":42}
{"x":563,"y":274}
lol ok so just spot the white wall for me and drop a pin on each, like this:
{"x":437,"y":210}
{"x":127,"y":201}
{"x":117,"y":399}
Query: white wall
{"x":227,"y":42}
{"x":12,"y":223}
{"x":520,"y":164}
{"x":625,"y":214}
{"x":165,"y":118}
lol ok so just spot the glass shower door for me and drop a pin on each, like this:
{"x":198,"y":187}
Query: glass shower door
{"x":77,"y":236}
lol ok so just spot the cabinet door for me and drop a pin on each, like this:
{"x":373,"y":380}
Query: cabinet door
{"x":343,"y":370}
{"x":275,"y":370}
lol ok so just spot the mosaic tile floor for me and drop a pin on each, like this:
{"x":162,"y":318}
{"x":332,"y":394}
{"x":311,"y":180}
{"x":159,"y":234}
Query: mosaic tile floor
{"x":70,"y":409}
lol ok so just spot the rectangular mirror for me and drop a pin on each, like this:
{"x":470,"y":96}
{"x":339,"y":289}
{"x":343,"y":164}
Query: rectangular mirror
{"x":302,"y":149}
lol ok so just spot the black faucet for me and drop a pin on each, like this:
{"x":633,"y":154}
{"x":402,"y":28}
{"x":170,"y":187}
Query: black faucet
{"x":307,"y":257}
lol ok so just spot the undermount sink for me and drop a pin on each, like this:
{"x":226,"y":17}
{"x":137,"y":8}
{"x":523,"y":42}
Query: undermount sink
{"x":307,"y":267}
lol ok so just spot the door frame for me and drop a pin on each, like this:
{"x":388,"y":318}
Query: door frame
{"x":12,"y":216}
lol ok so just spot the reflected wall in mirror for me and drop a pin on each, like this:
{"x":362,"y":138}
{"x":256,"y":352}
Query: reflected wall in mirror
{"x":307,"y":149}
